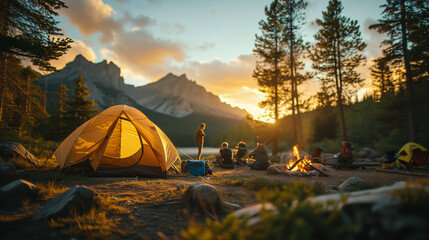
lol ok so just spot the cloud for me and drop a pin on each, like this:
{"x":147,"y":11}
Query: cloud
{"x":92,"y":16}
{"x":141,"y":53}
{"x":205,"y":46}
{"x":139,"y":21}
{"x":372,"y":38}
{"x":172,"y":28}
{"x":95,"y":16}
{"x":77,"y":47}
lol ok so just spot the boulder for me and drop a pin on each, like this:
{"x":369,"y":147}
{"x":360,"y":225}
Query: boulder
{"x":253,"y":212}
{"x":276,"y":168}
{"x":17,"y":192}
{"x":8,"y":172}
{"x":77,"y":198}
{"x":203,"y":196}
{"x":380,"y":213}
{"x":353,"y":184}
{"x":15,"y":152}
{"x":369,"y":153}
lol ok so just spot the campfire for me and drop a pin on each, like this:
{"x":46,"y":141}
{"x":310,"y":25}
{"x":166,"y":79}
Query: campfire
{"x":302,"y":166}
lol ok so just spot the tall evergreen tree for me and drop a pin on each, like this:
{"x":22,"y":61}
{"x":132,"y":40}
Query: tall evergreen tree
{"x":337,"y":53}
{"x":28,"y":100}
{"x":59,"y":124}
{"x":382,"y":77}
{"x":407,"y":27}
{"x":28,"y":29}
{"x":269,"y":52}
{"x":293,"y":17}
{"x":80,"y":108}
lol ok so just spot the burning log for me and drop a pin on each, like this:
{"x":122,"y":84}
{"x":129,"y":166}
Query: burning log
{"x":296,"y":163}
{"x":303,"y":164}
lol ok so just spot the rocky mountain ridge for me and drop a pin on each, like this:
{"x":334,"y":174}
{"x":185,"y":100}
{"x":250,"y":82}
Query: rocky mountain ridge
{"x":172,"y":95}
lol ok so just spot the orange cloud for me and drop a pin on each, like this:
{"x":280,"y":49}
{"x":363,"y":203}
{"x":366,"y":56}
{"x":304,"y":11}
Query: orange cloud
{"x":92,"y":16}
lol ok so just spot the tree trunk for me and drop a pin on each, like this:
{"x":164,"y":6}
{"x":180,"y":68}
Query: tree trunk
{"x":408,"y":75}
{"x":3,"y":86}
{"x":45,"y":95}
{"x":343,"y":131}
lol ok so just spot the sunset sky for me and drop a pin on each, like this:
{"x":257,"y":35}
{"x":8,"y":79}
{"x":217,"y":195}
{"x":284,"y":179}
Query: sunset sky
{"x":210,"y":41}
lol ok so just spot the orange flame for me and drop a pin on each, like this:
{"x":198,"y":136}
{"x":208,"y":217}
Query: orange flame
{"x":301,"y":166}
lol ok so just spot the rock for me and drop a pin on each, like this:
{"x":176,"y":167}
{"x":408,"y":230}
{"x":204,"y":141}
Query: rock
{"x":21,"y":173}
{"x":369,"y":153}
{"x":15,"y":152}
{"x":253,"y":212}
{"x":76,"y":198}
{"x":333,"y":187}
{"x":353,"y":184}
{"x":331,"y":191}
{"x":8,"y":172}
{"x":182,"y":185}
{"x":17,"y":192}
{"x":319,"y":166}
{"x":276,"y":168}
{"x":380,"y":213}
{"x":232,"y":205}
{"x":203,"y":196}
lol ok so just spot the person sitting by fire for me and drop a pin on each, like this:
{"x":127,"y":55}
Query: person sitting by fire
{"x":241,"y":152}
{"x":260,"y":155}
{"x":224,"y":157}
{"x":316,"y":157}
{"x":345,"y":160}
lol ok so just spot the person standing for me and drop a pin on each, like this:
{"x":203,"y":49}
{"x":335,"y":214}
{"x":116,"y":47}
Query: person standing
{"x":199,"y":139}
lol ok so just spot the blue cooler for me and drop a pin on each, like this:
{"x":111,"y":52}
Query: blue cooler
{"x":196,"y":167}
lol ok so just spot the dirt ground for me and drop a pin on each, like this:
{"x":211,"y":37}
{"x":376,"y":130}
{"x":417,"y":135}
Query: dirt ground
{"x":147,"y":216}
{"x":336,"y":176}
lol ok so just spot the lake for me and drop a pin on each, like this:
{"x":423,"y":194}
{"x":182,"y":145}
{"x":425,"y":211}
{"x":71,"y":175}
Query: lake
{"x":192,"y":151}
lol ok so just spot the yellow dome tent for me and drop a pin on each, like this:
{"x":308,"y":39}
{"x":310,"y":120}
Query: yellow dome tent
{"x":120,"y":141}
{"x":412,"y":154}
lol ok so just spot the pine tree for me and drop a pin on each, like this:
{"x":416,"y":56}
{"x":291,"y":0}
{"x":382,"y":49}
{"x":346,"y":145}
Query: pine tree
{"x":80,"y":108}
{"x":337,"y":53}
{"x":28,"y":98}
{"x":27,"y":30}
{"x":382,"y":77}
{"x":293,"y":17}
{"x":407,"y":28}
{"x":269,"y":51}
{"x":59,"y":124}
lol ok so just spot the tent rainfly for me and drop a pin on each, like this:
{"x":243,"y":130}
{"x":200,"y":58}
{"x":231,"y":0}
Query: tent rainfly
{"x":120,"y":141}
{"x":412,"y":154}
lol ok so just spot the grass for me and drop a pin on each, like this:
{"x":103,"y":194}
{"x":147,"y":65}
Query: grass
{"x":50,"y":189}
{"x":155,"y":192}
{"x":94,"y":224}
{"x":258,"y":183}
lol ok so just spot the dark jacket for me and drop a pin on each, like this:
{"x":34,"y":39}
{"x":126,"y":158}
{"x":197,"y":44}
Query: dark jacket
{"x":261,"y":159}
{"x":226,"y":154}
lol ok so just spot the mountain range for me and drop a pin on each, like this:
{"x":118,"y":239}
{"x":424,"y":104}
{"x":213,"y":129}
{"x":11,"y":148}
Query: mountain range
{"x":172,"y":95}
{"x":169,"y":102}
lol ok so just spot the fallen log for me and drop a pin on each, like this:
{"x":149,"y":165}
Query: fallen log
{"x":321,"y":172}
